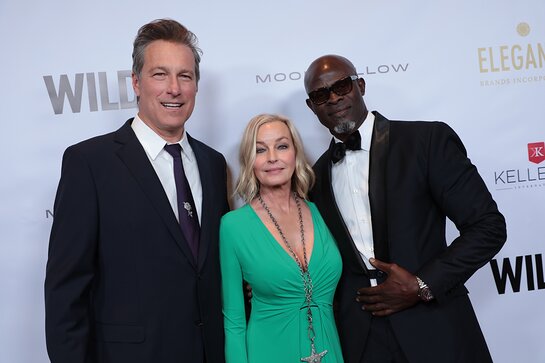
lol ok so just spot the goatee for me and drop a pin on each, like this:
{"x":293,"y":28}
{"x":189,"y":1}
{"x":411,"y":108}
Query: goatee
{"x":345,"y":128}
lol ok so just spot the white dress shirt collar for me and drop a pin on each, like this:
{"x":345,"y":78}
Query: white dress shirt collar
{"x":162,"y":163}
{"x":152,"y":143}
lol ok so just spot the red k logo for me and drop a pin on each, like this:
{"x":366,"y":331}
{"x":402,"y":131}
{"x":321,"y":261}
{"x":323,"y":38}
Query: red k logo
{"x":536,"y":152}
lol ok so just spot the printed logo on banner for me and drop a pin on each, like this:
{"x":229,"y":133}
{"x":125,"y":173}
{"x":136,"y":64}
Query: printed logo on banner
{"x":536,"y":152}
{"x":382,"y":69}
{"x":531,"y":176}
{"x":71,"y":88}
{"x":513,"y":64}
{"x":523,"y":29}
{"x":511,"y":271}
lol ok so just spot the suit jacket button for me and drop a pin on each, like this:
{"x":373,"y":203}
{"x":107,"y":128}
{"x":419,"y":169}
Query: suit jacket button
{"x":199,"y":323}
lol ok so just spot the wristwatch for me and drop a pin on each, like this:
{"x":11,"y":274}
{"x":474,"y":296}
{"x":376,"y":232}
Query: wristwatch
{"x":424,"y":291}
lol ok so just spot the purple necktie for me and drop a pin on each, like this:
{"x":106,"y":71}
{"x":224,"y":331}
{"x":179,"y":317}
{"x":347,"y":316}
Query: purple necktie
{"x":187,"y":214}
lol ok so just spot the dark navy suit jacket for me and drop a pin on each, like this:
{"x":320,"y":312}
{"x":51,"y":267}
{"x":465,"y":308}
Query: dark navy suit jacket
{"x":121,"y":283}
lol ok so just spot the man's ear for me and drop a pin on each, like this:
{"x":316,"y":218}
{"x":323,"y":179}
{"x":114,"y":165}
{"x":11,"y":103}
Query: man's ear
{"x":135,"y":85}
{"x":361,"y":85}
{"x":310,"y":104}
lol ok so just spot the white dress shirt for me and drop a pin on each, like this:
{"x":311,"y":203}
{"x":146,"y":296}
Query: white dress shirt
{"x":350,"y":181}
{"x":162,"y":162}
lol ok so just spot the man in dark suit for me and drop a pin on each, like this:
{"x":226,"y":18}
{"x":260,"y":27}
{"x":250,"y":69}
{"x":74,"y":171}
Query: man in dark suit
{"x":124,"y":281}
{"x":385,"y":189}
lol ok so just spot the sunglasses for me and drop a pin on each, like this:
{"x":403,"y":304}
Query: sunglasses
{"x":341,"y":87}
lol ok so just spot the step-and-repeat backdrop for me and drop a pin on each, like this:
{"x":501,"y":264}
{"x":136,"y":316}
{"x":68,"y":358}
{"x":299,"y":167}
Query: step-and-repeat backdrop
{"x":477,"y":65}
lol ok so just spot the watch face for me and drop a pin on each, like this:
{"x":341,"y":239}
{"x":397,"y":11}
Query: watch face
{"x":424,"y":291}
{"x":425,"y":294}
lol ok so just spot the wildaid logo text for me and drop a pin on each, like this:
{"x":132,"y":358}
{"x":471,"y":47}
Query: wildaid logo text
{"x":71,"y":88}
{"x":510,"y":271}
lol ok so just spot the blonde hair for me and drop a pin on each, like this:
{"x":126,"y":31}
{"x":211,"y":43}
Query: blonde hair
{"x":247,"y":186}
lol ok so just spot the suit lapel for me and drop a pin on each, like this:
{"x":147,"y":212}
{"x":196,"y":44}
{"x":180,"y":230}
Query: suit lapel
{"x":134,"y":157}
{"x":378,"y":160}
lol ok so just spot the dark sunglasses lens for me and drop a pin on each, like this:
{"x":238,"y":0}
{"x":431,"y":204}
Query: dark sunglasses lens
{"x":319,"y":96}
{"x":342,"y":87}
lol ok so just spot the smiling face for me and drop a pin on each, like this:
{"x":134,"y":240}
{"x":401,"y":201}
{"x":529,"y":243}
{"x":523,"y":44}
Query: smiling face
{"x":166,"y":88}
{"x":344,"y":114}
{"x":275,"y":155}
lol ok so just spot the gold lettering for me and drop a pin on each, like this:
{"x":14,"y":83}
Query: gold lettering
{"x":517,"y":60}
{"x":492,"y":69}
{"x":530,"y":58}
{"x":482,"y":59}
{"x":503,"y":58}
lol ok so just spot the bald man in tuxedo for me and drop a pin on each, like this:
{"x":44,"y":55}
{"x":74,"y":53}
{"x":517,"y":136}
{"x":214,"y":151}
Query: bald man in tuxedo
{"x":385,"y":189}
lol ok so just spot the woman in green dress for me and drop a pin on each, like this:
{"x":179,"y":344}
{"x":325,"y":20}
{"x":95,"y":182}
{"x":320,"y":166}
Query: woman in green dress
{"x":279,"y":244}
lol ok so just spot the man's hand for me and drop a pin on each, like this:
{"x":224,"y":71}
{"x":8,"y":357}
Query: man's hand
{"x":398,"y":292}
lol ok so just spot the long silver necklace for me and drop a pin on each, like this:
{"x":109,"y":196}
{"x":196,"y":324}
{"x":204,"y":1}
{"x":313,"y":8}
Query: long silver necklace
{"x":314,"y":357}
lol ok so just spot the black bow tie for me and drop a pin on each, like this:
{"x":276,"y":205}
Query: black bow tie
{"x":352,"y":143}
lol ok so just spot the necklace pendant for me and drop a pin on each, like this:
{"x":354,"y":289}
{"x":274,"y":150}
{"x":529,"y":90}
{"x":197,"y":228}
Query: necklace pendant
{"x":314,"y":357}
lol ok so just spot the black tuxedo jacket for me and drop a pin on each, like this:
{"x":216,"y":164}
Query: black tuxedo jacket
{"x":121,"y":283}
{"x":419,"y":176}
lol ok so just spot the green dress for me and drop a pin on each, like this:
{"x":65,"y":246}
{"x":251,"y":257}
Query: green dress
{"x":278,"y":329}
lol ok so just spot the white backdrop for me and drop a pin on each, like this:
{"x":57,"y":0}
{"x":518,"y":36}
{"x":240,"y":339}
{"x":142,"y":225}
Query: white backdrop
{"x":478,"y":65}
